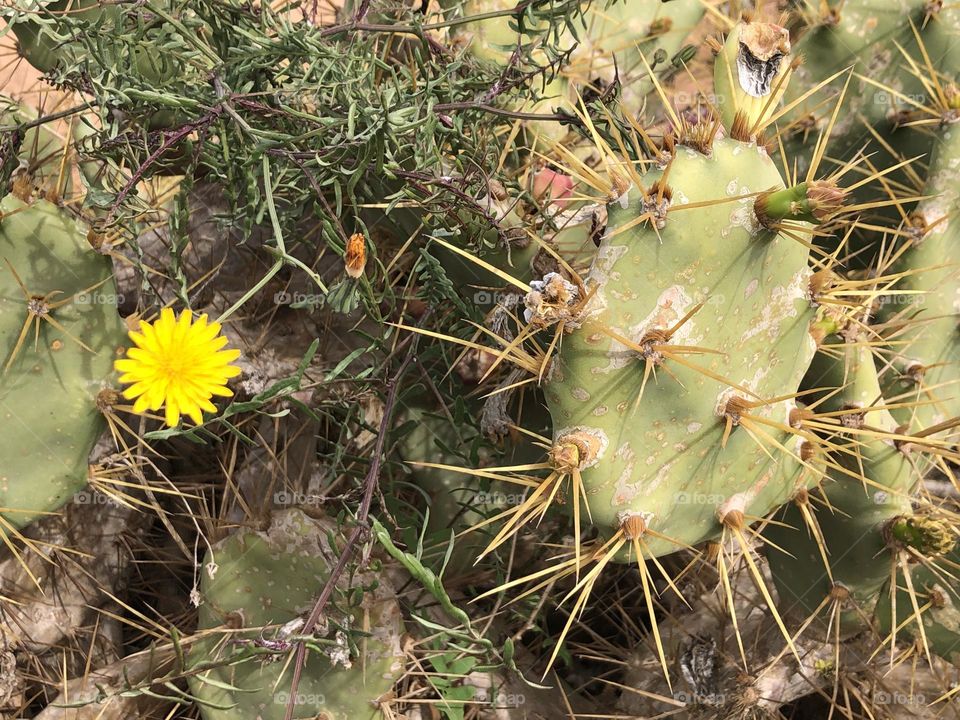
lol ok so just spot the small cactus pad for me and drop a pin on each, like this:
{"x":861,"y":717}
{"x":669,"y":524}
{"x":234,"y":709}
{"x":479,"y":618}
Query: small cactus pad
{"x":263,"y":585}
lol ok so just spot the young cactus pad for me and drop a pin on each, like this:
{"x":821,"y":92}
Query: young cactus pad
{"x":704,"y":310}
{"x":264,"y":584}
{"x":59,"y":334}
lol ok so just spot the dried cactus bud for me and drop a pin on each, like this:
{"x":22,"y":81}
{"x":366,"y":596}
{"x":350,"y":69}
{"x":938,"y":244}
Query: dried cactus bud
{"x":750,"y":73}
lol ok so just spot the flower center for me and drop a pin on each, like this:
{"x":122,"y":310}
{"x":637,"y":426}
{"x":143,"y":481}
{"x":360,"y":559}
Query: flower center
{"x":172,"y":367}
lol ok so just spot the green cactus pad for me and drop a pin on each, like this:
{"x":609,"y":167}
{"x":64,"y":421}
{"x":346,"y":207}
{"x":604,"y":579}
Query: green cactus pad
{"x":936,"y":595}
{"x":264,"y":580}
{"x":887,"y":45}
{"x":926,"y":365}
{"x":869,"y":487}
{"x":661,"y":458}
{"x":50,"y":384}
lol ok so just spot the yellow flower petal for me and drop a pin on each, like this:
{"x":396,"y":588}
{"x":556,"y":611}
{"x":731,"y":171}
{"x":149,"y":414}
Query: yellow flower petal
{"x":172,"y":414}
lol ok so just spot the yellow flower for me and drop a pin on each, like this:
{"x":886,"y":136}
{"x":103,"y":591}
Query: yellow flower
{"x":178,"y":364}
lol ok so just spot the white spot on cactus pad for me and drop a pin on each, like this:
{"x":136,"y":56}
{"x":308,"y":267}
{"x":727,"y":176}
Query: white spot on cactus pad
{"x":625,"y":491}
{"x":742,"y":215}
{"x":580,"y":394}
{"x":603,"y":262}
{"x":734,"y":503}
{"x":781,"y":305}
{"x":936,"y":210}
{"x":694,"y":427}
{"x":654,"y":483}
{"x":672,"y":305}
{"x":625,"y":515}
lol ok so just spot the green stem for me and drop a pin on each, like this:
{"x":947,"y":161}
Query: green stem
{"x":281,"y":250}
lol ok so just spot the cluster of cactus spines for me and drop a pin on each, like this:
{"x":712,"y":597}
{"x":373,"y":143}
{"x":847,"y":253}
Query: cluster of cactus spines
{"x":258,"y":588}
{"x":923,"y":602}
{"x":60,"y":334}
{"x":33,"y":157}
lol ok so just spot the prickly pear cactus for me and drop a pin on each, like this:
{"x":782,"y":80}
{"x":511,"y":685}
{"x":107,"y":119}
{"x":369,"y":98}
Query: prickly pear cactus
{"x":255,"y":599}
{"x":935,"y":600}
{"x":924,"y":315}
{"x":59,"y":334}
{"x":900,"y":54}
{"x":664,"y":390}
{"x":838,"y":553}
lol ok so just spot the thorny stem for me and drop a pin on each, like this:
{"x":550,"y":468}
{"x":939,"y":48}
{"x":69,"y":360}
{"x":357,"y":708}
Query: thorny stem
{"x":169,"y":140}
{"x":44,"y":119}
{"x":362,"y":527}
